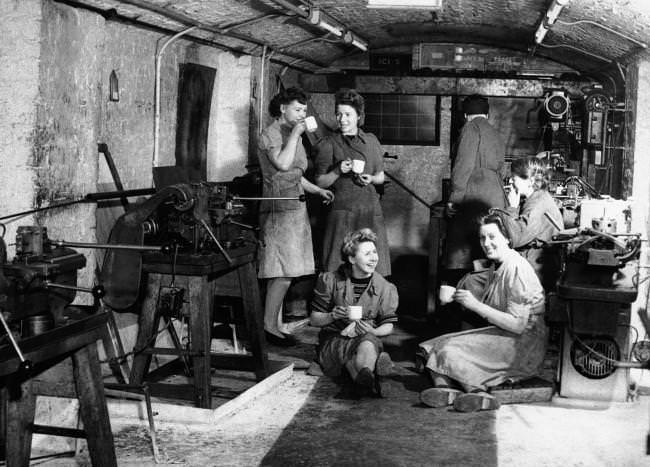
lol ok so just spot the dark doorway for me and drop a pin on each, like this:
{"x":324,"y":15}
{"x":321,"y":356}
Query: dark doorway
{"x":194,"y":100}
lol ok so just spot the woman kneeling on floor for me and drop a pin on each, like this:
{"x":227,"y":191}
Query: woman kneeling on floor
{"x":464,"y":365}
{"x":355,"y":306}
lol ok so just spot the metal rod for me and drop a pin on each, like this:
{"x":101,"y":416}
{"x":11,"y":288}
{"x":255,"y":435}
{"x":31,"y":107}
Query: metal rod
{"x":550,"y":219}
{"x":119,"y":194}
{"x":46,"y":208}
{"x":156,"y":124}
{"x":606,"y":28}
{"x":259,"y":198}
{"x":11,"y":338}
{"x":89,"y":198}
{"x":216,"y":240}
{"x":577,"y":49}
{"x":408,"y":190}
{"x":109,"y":246}
{"x":54,"y":285}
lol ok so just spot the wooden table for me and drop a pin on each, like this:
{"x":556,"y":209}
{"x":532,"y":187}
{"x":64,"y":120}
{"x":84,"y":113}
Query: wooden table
{"x":204,"y":277}
{"x":74,"y":345}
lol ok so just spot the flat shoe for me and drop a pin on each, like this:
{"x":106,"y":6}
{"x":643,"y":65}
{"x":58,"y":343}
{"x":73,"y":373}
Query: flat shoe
{"x":384,"y":365}
{"x":475,"y":401}
{"x":364,"y":383}
{"x":439,"y":397}
{"x":286,"y":341}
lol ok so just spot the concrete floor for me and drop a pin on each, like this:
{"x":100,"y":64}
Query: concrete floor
{"x":305,"y":421}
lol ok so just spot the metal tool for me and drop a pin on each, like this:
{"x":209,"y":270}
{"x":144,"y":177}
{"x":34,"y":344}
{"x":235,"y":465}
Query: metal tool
{"x":25,"y":365}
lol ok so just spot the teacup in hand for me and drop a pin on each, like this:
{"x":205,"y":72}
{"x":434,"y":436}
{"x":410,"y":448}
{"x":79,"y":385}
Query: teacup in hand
{"x":355,"y":312}
{"x":310,"y":124}
{"x":446,"y":294}
{"x":358,"y":165}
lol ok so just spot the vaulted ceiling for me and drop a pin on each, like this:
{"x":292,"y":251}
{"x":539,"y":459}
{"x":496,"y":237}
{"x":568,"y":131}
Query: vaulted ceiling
{"x":590,"y":36}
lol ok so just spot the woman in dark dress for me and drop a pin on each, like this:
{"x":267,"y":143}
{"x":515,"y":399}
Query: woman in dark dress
{"x":356,"y":203}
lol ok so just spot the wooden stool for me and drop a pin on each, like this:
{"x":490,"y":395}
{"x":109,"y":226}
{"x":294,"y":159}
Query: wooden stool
{"x":69,"y":355}
{"x":202,"y":277}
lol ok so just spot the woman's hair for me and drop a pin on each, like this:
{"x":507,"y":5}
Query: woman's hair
{"x":497,"y":220}
{"x":532,"y":168}
{"x":285,"y":97}
{"x":352,"y":240}
{"x":352,"y":98}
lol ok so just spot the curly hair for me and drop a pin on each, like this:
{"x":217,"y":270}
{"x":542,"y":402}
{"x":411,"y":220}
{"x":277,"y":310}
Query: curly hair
{"x":351,"y":97}
{"x":285,"y":97}
{"x":352,"y":240}
{"x":532,"y":168}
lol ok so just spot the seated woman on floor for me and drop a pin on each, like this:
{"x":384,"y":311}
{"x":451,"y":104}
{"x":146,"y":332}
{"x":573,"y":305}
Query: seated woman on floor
{"x":465,"y":365}
{"x":350,"y":337}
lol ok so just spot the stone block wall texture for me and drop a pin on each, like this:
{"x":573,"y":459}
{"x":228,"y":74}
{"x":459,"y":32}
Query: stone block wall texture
{"x":55,"y":63}
{"x":20,"y":51}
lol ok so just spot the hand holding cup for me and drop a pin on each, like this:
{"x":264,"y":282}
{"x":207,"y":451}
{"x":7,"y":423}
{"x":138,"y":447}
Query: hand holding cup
{"x":446,"y":294}
{"x":355,"y":312}
{"x":346,"y":166}
{"x":310,"y":124}
{"x":358,"y":165}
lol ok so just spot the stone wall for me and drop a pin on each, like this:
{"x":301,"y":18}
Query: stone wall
{"x":55,"y":63}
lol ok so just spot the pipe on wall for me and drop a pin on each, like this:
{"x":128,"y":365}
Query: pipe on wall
{"x":156,"y":124}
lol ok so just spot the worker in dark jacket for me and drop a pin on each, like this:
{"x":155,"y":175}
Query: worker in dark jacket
{"x":476,"y":182}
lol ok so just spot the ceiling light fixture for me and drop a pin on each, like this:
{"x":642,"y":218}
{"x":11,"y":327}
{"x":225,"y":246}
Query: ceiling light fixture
{"x":407,"y":4}
{"x":353,"y":39}
{"x":549,"y":19}
{"x":316,"y":18}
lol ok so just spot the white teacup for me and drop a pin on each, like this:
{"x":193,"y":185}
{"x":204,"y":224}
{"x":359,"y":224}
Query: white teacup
{"x":310,"y":124}
{"x":358,"y":165}
{"x":355,"y":312}
{"x":446,"y":294}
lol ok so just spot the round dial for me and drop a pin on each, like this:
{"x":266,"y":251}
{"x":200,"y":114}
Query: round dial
{"x":596,"y":102}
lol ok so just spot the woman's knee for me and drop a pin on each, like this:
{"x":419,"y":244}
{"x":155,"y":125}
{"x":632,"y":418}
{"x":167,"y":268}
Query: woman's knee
{"x":367,"y":348}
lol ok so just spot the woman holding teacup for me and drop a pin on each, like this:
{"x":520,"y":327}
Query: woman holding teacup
{"x":355,"y":306}
{"x":350,"y":163}
{"x":465,"y":365}
{"x":285,"y":238}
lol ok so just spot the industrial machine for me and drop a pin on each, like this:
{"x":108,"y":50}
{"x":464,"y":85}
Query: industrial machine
{"x":597,"y":286}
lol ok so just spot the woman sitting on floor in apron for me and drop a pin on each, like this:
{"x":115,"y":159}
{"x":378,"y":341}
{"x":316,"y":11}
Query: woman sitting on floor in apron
{"x":465,"y":365}
{"x":355,"y":306}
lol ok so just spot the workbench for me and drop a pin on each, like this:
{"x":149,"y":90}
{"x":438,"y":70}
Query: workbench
{"x":203,"y":277}
{"x":64,"y":364}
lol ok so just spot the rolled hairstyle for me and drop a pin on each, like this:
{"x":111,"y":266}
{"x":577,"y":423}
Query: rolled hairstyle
{"x":532,"y":168}
{"x":352,"y":240}
{"x":496,"y":219}
{"x":352,"y":98}
{"x":285,"y":97}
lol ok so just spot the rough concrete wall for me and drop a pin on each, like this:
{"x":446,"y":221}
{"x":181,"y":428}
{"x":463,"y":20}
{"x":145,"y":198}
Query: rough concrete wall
{"x":65,"y":136}
{"x":229,"y":130}
{"x":127,"y":125}
{"x":20,"y":51}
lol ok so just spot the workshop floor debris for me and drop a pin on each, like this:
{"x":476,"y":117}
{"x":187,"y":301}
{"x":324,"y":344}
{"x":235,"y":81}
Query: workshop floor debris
{"x":310,"y":420}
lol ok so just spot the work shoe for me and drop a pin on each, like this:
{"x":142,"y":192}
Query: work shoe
{"x":364,"y":383}
{"x":439,"y":397}
{"x":475,"y":401}
{"x":384,"y":365}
